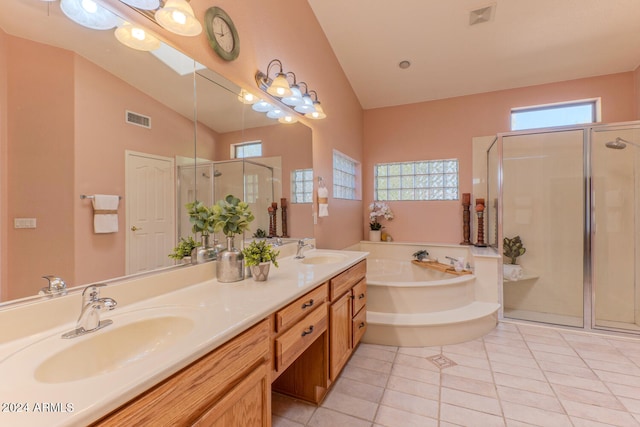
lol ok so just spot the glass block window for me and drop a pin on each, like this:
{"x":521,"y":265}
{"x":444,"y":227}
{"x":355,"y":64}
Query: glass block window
{"x":251,"y":188}
{"x":562,"y":114}
{"x":302,"y":186}
{"x":246,"y":149}
{"x":345,"y":171}
{"x":423,"y":180}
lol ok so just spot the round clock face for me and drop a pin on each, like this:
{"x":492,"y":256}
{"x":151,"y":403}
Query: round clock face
{"x":222,"y":34}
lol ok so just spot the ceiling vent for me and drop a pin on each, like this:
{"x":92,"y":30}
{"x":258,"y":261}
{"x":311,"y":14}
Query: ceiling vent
{"x":137,"y":119}
{"x":484,"y":14}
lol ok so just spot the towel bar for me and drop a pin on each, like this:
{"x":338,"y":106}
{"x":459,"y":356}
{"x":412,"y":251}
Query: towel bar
{"x":83,"y":196}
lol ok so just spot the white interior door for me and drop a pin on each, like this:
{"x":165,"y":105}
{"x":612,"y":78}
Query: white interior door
{"x":150,"y":211}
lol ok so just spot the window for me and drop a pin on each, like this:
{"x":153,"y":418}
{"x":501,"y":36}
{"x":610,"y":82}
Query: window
{"x":566,"y":113}
{"x":422,"y":180}
{"x":345,"y":171}
{"x":302,"y":186}
{"x":251,"y":188}
{"x":246,"y":149}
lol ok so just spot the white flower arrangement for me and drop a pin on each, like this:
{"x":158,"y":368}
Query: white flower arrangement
{"x":377,"y":210}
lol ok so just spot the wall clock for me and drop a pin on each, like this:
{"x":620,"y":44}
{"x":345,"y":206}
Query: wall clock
{"x":222,"y":34}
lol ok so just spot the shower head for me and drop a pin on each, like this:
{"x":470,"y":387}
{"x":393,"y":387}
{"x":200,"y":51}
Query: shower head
{"x":620,"y":144}
{"x":217,"y":173}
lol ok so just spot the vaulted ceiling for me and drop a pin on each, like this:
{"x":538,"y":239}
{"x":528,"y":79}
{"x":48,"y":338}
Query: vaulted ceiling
{"x":522,"y":43}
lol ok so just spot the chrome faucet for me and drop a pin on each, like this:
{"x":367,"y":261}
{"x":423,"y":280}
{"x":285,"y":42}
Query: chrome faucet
{"x":57,"y":286}
{"x":92,"y":306}
{"x":301,"y":245}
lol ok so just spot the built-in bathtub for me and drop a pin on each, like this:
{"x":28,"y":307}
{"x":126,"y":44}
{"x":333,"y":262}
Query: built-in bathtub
{"x":411,"y":305}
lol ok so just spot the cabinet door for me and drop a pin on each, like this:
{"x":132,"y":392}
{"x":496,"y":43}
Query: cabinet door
{"x":340,"y":334}
{"x":248,"y":404}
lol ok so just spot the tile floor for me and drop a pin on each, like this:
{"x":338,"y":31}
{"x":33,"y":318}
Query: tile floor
{"x":517,"y":375}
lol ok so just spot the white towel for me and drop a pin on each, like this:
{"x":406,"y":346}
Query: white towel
{"x":323,"y":201}
{"x":105,"y":213}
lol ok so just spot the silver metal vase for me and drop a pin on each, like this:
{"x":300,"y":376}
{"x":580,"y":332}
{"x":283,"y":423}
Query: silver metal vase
{"x":230,"y":263}
{"x":203,"y":253}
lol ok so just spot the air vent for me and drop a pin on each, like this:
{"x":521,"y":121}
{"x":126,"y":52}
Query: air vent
{"x":484,"y":14}
{"x":137,"y":119}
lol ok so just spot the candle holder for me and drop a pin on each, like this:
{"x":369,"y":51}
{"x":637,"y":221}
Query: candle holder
{"x":273,"y":225}
{"x":480,"y":212}
{"x":466,"y":219}
{"x":283,"y":206}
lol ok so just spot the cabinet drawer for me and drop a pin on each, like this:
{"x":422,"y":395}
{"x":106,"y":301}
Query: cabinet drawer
{"x":359,"y":296}
{"x":299,"y":337}
{"x":300,"y":307}
{"x":359,"y":326}
{"x":345,"y":280}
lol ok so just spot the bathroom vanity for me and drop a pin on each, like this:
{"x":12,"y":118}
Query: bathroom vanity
{"x":227,"y":347}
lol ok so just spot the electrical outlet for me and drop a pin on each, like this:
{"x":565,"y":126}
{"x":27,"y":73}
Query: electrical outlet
{"x":24,"y":223}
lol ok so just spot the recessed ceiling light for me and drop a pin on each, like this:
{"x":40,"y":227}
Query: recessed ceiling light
{"x":404,"y":64}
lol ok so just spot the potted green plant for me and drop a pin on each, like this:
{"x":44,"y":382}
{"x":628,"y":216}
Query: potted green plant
{"x":259,"y":255}
{"x":512,"y":248}
{"x":421,"y":255}
{"x":201,"y":218}
{"x":231,"y":216}
{"x":184,"y":249}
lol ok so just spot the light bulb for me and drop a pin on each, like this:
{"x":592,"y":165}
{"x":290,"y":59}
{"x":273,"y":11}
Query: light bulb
{"x":138,"y":33}
{"x":179,"y":17}
{"x":90,"y":6}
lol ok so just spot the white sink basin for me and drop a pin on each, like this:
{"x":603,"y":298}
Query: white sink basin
{"x":323,"y":258}
{"x":112,"y":348}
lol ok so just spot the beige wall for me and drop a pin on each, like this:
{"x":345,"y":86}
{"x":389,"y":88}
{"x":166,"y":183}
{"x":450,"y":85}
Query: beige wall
{"x":444,"y":129}
{"x":4,"y":163}
{"x":296,"y":38}
{"x":636,"y":91}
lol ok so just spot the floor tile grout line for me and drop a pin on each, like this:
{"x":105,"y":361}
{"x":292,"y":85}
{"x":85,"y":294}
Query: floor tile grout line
{"x":555,"y":394}
{"x":493,"y":379}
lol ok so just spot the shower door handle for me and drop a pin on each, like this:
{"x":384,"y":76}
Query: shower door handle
{"x":134,"y":228}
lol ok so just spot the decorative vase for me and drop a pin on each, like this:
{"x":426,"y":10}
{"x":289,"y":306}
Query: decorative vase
{"x":203,"y":253}
{"x":375,"y":235}
{"x":260,"y":272}
{"x":230,"y":264}
{"x":512,"y":272}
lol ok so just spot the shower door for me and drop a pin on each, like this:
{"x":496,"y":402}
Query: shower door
{"x":543,"y":196}
{"x":615,"y":203}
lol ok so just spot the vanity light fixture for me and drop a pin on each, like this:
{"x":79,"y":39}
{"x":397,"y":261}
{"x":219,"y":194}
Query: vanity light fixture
{"x":88,"y":14}
{"x":143,"y":4}
{"x":276,"y":113}
{"x":247,"y":97}
{"x":262,"y":106}
{"x":296,"y":95}
{"x":319,"y":111}
{"x":288,"y":119}
{"x":177,"y":16}
{"x":136,"y":37}
{"x":291,"y":96}
{"x":307,"y":103}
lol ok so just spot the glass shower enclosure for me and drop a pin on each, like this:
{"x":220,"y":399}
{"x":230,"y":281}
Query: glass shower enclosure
{"x":571,"y":194}
{"x":209,"y":182}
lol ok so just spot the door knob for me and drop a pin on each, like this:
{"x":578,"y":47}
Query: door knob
{"x":134,"y":228}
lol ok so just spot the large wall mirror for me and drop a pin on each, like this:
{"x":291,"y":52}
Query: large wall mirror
{"x":65,"y":95}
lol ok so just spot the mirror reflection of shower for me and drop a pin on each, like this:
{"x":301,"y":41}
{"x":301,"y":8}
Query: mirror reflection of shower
{"x":620,"y":144}
{"x":249,"y":180}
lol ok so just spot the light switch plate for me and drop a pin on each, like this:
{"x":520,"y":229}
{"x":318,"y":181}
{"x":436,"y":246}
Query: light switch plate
{"x":24,"y":223}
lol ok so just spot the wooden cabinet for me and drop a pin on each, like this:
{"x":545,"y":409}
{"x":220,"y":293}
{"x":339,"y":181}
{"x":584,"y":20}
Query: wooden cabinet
{"x":347,"y":315}
{"x":229,"y":386}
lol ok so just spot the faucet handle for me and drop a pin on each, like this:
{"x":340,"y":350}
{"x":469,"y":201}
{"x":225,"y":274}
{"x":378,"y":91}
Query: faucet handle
{"x":91,"y":292}
{"x":56,"y":286}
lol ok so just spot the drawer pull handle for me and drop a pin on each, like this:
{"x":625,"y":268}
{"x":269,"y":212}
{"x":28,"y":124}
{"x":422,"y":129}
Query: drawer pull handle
{"x":307,"y":304}
{"x":360,"y":296}
{"x":361,"y":325}
{"x":307,"y":331}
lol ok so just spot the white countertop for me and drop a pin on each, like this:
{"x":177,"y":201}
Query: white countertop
{"x":220,"y":312}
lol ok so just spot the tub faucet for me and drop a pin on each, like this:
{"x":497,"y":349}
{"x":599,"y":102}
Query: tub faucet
{"x":92,"y":306}
{"x":301,"y":245}
{"x":57,"y":286}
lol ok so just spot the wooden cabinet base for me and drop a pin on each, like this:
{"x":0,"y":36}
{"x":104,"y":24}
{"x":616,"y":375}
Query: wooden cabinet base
{"x":306,"y":378}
